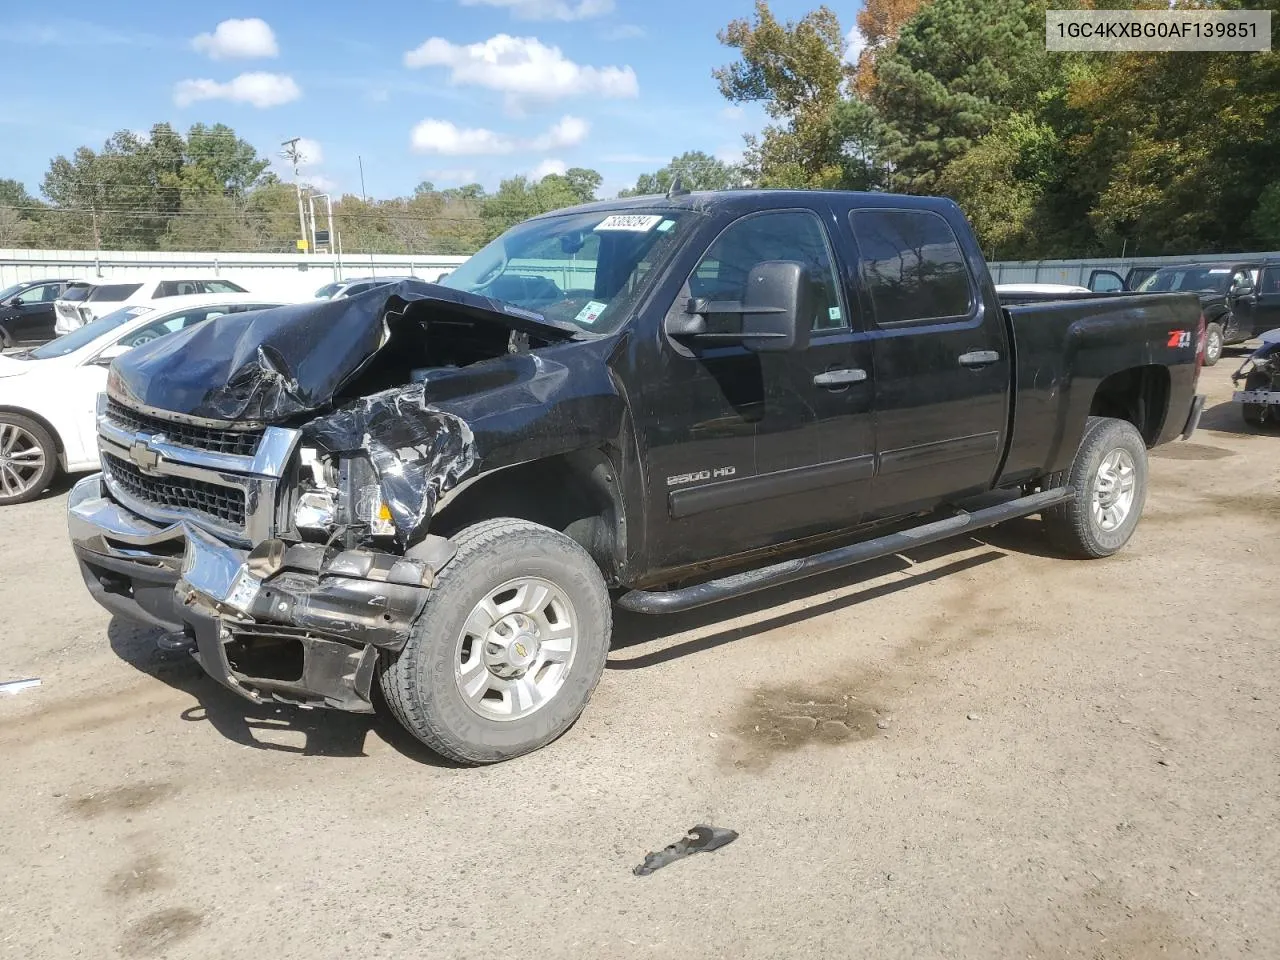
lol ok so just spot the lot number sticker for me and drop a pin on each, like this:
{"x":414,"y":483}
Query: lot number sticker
{"x":634,"y":222}
{"x":591,"y":312}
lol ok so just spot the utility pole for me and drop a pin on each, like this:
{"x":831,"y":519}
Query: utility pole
{"x":363,"y":196}
{"x":291,"y":152}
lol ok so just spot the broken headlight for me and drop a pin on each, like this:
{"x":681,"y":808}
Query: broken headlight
{"x":372,"y":509}
{"x":317,"y":509}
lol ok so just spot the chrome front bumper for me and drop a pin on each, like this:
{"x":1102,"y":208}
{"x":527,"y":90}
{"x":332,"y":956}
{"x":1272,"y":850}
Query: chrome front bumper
{"x":327,"y":613}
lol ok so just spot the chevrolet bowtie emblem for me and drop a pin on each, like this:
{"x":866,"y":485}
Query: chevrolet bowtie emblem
{"x":142,"y":455}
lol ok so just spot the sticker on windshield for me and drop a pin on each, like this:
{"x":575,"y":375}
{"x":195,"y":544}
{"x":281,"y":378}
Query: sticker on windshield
{"x":634,"y":222}
{"x":833,"y":313}
{"x":591,"y":312}
{"x":138,"y":311}
{"x":666,"y":225}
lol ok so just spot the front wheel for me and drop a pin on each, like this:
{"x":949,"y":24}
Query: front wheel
{"x":1213,"y":342}
{"x":509,"y":649}
{"x":1109,"y":480}
{"x":28,"y":459}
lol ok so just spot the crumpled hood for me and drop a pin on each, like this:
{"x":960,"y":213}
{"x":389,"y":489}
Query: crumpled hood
{"x":271,"y":366}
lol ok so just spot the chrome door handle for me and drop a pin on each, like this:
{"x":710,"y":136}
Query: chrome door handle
{"x":979,"y":358}
{"x":839,"y":378}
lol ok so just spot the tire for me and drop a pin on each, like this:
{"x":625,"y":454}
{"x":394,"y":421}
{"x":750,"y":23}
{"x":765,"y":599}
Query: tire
{"x":1255,"y":413}
{"x":423,"y":683}
{"x":28,"y":459}
{"x":1213,"y":343}
{"x":6,"y":340}
{"x":1077,"y":527}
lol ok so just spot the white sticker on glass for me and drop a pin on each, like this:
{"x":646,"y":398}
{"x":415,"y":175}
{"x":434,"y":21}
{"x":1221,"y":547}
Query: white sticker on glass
{"x":591,"y":312}
{"x":634,"y":222}
{"x":833,"y":313}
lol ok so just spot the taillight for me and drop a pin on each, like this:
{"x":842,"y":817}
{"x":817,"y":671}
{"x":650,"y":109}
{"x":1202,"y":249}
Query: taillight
{"x":1200,"y":339}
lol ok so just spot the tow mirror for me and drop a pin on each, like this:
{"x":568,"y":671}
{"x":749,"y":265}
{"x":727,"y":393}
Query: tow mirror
{"x":776,"y":312}
{"x":15,"y":302}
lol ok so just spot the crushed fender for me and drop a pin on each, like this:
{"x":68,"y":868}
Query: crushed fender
{"x":417,"y":452}
{"x":700,"y":839}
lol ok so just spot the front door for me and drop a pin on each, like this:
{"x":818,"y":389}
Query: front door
{"x":749,"y":449}
{"x":942,"y":363}
{"x":32,"y":321}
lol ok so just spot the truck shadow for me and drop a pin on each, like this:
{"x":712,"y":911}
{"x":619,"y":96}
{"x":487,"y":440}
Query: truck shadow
{"x":323,"y":733}
{"x":633,"y":629}
{"x":1227,"y":418}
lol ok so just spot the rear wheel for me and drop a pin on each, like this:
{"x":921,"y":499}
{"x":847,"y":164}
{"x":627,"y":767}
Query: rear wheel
{"x":510,"y":647}
{"x":1109,"y":479}
{"x":1213,"y":342}
{"x":28,"y":459}
{"x":1256,"y":413}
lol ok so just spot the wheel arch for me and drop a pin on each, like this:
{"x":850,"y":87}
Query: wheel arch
{"x":44,"y":422}
{"x":1139,"y":395}
{"x":575,"y":493}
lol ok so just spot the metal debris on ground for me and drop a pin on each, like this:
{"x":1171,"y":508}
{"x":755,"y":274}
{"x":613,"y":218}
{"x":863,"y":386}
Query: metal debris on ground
{"x":700,"y":839}
{"x":17,"y":686}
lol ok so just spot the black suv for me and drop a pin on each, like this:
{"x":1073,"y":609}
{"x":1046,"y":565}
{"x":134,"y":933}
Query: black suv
{"x":1239,"y":299}
{"x":26,"y":309}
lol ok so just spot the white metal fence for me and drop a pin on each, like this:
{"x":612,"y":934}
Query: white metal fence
{"x":1078,"y":271}
{"x":293,"y":276}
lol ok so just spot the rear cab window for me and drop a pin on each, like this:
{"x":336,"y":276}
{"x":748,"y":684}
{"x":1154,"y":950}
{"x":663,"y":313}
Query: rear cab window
{"x":912,"y":266}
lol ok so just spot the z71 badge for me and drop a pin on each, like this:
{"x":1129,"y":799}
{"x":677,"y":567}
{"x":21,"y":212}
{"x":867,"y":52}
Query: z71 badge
{"x":697,"y":476}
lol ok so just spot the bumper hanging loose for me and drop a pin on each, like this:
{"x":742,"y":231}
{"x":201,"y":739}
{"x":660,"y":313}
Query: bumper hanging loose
{"x":297,"y":623}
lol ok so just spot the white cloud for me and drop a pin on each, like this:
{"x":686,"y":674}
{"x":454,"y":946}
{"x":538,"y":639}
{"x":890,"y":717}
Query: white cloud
{"x":634,"y":158}
{"x":568,"y":132}
{"x":625,"y":31}
{"x":548,"y":9}
{"x":856,"y":44}
{"x":547,"y":167}
{"x":319,"y":182}
{"x":523,"y":68}
{"x":238,"y":39}
{"x":260,"y":89}
{"x":449,"y":140}
{"x":732,"y":112}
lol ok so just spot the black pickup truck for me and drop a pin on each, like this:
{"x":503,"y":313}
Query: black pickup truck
{"x":659,"y":402}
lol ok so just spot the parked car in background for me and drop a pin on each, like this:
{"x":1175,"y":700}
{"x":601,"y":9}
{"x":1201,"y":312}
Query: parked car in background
{"x":26,"y":309}
{"x":1239,"y":300}
{"x":1109,"y":281}
{"x":355,"y":286}
{"x":48,"y":395}
{"x":1036,"y":292}
{"x":110,"y":295}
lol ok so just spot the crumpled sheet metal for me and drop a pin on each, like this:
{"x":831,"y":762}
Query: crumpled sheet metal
{"x":270,"y":366}
{"x":418,"y":452}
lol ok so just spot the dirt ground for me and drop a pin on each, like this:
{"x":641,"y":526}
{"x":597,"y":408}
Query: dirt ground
{"x":981,"y":751}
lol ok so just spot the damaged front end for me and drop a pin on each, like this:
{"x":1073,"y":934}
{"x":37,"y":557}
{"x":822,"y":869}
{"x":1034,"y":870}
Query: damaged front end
{"x":268,"y":479}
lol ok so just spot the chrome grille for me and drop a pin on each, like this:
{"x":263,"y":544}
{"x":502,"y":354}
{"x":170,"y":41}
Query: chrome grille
{"x":222,"y":504}
{"x":241,"y":443}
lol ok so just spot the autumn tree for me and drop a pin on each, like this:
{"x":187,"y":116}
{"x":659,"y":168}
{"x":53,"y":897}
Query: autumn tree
{"x":879,"y":22}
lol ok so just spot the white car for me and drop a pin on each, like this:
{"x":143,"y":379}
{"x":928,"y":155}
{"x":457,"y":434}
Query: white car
{"x":49,"y":395}
{"x":111,"y":295}
{"x":340,"y":290}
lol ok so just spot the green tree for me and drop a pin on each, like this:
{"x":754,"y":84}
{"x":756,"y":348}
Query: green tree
{"x":958,"y":68}
{"x":797,"y":70}
{"x":697,"y":171}
{"x":520,"y":198}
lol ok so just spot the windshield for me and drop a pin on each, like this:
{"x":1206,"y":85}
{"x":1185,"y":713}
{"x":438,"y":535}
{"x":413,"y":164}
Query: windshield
{"x":327,"y":291}
{"x":587,"y":269}
{"x":1203,"y":279}
{"x":81,"y":336}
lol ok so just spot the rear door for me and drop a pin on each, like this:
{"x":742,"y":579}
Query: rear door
{"x":941,"y":360}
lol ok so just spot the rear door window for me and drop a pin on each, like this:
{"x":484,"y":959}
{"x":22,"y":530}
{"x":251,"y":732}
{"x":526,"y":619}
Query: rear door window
{"x":113,"y":292}
{"x":177,"y":288}
{"x":913,"y":266}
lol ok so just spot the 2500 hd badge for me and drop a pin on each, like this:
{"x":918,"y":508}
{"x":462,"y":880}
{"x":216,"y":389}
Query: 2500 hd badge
{"x":700,"y":475}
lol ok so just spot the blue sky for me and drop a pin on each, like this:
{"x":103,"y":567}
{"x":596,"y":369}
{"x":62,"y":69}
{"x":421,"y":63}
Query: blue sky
{"x":443,"y":90}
